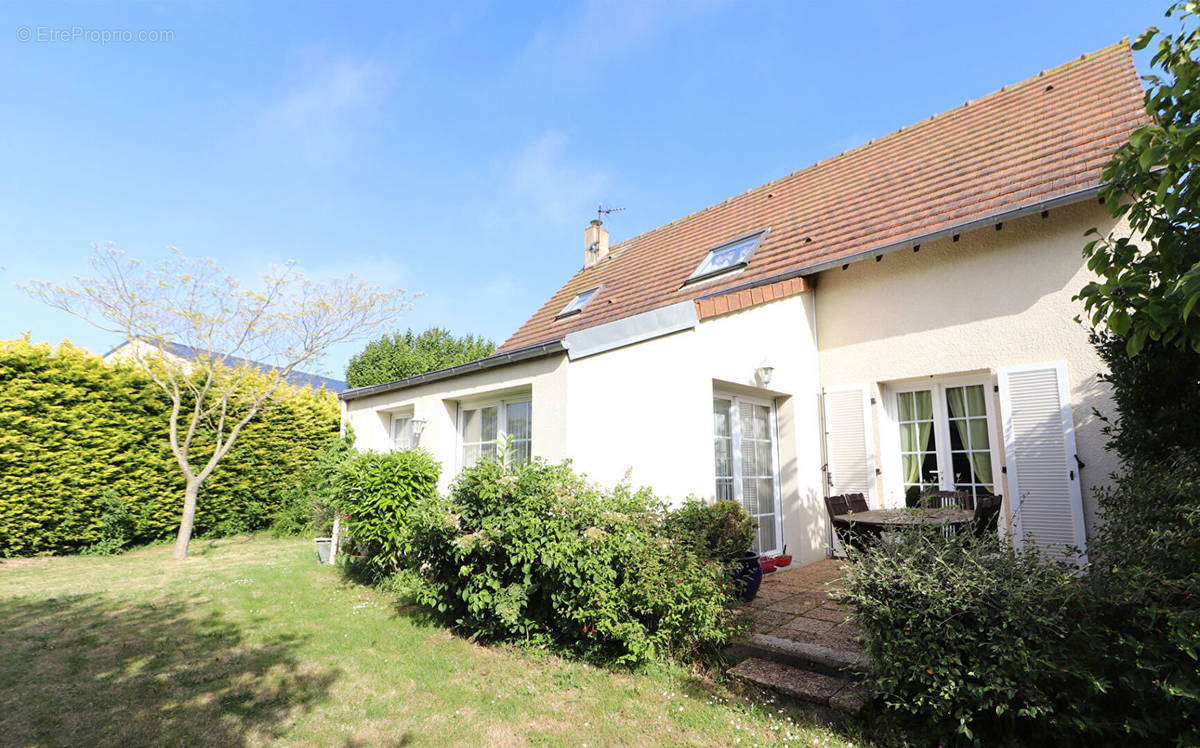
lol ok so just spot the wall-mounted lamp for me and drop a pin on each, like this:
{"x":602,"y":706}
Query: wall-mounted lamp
{"x":763,"y":375}
{"x":418,"y":425}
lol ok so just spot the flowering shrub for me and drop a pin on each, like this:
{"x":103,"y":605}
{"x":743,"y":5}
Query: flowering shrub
{"x":378,"y":494}
{"x":532,"y":553}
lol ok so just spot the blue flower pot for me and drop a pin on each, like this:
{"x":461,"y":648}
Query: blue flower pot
{"x":747,"y":575}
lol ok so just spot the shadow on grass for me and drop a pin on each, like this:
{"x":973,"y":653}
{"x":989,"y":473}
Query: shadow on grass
{"x":84,"y":670}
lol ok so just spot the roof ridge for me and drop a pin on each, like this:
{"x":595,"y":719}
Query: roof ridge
{"x":1119,"y":45}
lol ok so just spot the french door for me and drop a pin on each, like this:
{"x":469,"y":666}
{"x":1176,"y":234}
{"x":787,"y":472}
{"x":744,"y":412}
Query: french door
{"x":945,"y":438}
{"x":747,"y":465}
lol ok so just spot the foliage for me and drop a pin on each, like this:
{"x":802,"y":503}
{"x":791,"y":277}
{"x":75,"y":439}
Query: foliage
{"x":721,"y":530}
{"x":1146,"y":577}
{"x":241,"y":344}
{"x":532,"y":553}
{"x":1149,"y":291}
{"x":309,"y":502}
{"x":84,"y":461}
{"x":379,"y":492}
{"x":971,"y":641}
{"x":1155,"y":397}
{"x":398,"y":356}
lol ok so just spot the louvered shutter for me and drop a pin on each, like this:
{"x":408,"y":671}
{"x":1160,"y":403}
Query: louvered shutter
{"x":850,"y":443}
{"x":1039,"y":443}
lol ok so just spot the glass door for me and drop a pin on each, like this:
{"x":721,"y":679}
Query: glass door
{"x":945,"y":440}
{"x":744,"y":445}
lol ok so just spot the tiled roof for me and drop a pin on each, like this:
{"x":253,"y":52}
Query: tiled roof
{"x":1044,"y":138}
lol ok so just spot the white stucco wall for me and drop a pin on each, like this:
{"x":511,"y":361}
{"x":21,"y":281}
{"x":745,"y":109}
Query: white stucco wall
{"x":438,"y":404}
{"x":992,"y":299}
{"x":647,"y":409}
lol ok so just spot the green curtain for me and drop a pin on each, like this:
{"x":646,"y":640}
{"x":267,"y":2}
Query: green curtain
{"x":969,"y":401}
{"x":915,"y":406}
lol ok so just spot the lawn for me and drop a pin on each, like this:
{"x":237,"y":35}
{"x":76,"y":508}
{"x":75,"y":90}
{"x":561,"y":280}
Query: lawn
{"x":250,"y":641}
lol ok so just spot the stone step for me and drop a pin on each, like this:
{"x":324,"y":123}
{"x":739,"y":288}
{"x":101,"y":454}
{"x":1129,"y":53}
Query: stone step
{"x":840,"y":694}
{"x":837,"y":663}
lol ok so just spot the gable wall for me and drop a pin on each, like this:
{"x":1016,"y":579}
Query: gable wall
{"x":995,"y":298}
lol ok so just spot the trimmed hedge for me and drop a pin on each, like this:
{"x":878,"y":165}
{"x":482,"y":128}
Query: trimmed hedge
{"x":85,"y":464}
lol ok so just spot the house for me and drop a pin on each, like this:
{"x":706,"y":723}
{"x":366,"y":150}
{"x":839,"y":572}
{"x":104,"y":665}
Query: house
{"x":180,"y":352}
{"x":893,"y":319}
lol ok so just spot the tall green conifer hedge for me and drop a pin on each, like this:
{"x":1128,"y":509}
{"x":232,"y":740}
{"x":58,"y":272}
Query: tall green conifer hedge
{"x":85,"y":464}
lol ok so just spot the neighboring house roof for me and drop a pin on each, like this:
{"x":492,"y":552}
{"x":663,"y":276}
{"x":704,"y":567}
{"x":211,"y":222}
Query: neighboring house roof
{"x":294,"y":378}
{"x":1041,"y":142}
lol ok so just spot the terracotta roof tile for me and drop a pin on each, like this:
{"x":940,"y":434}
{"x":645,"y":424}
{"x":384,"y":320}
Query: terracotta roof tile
{"x":1046,"y":137}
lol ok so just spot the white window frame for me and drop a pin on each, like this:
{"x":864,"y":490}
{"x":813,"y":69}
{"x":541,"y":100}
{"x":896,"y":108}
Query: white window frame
{"x":894,"y":479}
{"x":501,"y":406}
{"x":735,"y":431}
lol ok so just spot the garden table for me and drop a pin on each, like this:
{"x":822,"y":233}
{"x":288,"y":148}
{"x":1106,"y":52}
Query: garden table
{"x":864,"y":528}
{"x":891,"y":519}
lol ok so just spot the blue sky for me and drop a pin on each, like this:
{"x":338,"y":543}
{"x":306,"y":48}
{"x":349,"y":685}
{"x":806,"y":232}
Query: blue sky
{"x":457,"y":152}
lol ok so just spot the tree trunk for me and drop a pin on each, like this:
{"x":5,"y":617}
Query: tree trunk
{"x":189,"y":518}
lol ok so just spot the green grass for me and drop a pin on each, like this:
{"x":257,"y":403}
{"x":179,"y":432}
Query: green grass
{"x":250,"y":641}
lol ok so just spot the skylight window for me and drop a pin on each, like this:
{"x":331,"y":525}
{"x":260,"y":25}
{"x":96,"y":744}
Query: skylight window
{"x":728,"y":257}
{"x":576,"y":306}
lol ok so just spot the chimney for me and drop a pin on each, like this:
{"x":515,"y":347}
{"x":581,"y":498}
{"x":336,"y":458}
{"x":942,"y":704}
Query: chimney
{"x":595,"y":242}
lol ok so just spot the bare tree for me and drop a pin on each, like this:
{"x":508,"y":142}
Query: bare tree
{"x":286,"y":321}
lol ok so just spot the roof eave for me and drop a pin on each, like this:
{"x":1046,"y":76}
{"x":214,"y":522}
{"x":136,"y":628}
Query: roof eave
{"x":962,"y":228}
{"x":537,"y":350}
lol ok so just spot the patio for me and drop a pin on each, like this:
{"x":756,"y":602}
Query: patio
{"x":793,"y":604}
{"x":800,"y":643}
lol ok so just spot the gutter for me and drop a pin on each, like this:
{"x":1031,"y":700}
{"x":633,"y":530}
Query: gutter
{"x":962,"y":228}
{"x":539,"y":350}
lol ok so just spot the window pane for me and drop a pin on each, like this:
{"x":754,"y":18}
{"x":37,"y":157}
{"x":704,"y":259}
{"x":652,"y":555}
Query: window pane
{"x":721,"y":417}
{"x":923,"y":405}
{"x":517,"y":419}
{"x":762,"y":458}
{"x":521,"y":450}
{"x":979,"y":433}
{"x":766,"y":496}
{"x":471,"y":421}
{"x":724,"y":489}
{"x":765,"y":537}
{"x":962,"y":468}
{"x":908,"y":437}
{"x":490,"y":421}
{"x":722,"y":458}
{"x":470,"y":455}
{"x":905,"y":402}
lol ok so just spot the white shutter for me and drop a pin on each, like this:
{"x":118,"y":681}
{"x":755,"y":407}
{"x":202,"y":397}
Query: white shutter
{"x":1039,"y":444}
{"x":849,"y":443}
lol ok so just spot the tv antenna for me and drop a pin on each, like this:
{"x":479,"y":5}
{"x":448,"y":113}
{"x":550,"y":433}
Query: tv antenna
{"x":602,"y":211}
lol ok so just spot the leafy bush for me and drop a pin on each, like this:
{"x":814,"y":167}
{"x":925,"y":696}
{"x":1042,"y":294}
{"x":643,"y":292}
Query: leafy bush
{"x":379,"y":493}
{"x":971,"y":641}
{"x":713,"y":531}
{"x":1146,"y":589}
{"x":531,"y":553}
{"x":309,"y":502}
{"x":1155,"y":396}
{"x":79,"y":437}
